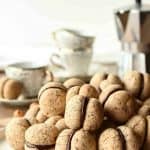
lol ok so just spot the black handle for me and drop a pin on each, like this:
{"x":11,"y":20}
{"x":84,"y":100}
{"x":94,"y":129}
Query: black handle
{"x":139,"y":2}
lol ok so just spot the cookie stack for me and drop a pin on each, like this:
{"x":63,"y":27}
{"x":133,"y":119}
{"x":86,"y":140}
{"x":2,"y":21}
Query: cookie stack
{"x":106,"y":114}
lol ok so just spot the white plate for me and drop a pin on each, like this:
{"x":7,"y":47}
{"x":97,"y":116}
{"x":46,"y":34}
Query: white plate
{"x":16,"y":102}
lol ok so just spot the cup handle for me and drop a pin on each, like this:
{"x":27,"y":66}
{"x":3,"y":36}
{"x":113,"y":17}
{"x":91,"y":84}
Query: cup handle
{"x":55,"y":60}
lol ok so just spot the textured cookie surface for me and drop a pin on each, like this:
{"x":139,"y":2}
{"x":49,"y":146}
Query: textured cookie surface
{"x":75,"y":140}
{"x":133,"y":81}
{"x":120,"y":106}
{"x":84,"y":112}
{"x":110,"y":140}
{"x":73,"y":82}
{"x":41,"y":134}
{"x":52,"y":100}
{"x":139,"y":126}
{"x":131,"y":140}
{"x":15,"y":132}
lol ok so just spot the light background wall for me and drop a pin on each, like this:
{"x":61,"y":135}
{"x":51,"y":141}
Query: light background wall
{"x":25,"y":25}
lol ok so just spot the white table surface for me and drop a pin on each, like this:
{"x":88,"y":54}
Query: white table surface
{"x":4,"y":146}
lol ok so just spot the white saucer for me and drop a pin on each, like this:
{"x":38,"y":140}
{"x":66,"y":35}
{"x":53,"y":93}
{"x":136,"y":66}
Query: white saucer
{"x":16,"y":102}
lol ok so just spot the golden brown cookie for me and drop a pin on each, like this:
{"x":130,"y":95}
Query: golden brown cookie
{"x":138,"y":84}
{"x":118,"y":104}
{"x":9,"y":88}
{"x":86,"y":90}
{"x":15,"y":132}
{"x":70,"y":139}
{"x":40,"y":117}
{"x":121,"y":138}
{"x":139,"y":125}
{"x":144,"y":110}
{"x":111,"y":79}
{"x":57,"y":121}
{"x":97,"y":79}
{"x":84,"y":112}
{"x":111,"y":139}
{"x":51,"y":121}
{"x":40,"y":136}
{"x":32,"y":113}
{"x":52,"y":99}
{"x":73,"y":82}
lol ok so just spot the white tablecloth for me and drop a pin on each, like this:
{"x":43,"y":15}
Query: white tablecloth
{"x":4,"y":146}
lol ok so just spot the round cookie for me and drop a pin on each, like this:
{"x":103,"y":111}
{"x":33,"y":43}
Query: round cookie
{"x":9,"y":88}
{"x":52,"y":99}
{"x":97,"y":79}
{"x":146,"y":144}
{"x":53,"y":120}
{"x":72,"y":92}
{"x":110,"y":139}
{"x":32,"y":113}
{"x":40,"y":136}
{"x":84,"y":112}
{"x":144,"y":110}
{"x":70,"y":139}
{"x":138,"y":125}
{"x":86,"y":90}
{"x":57,"y":121}
{"x":15,"y":132}
{"x":132,"y":82}
{"x":130,"y":138}
{"x":118,"y":104}
{"x":141,"y":127}
{"x":73,"y":82}
{"x":61,"y":125}
{"x":138,"y":84}
{"x":40,"y":117}
{"x":111,"y":79}
{"x":121,"y":138}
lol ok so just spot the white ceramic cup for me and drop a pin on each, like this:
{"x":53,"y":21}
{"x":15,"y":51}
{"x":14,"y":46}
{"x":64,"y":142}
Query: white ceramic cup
{"x":31,"y":74}
{"x":75,"y":63}
{"x":73,"y":39}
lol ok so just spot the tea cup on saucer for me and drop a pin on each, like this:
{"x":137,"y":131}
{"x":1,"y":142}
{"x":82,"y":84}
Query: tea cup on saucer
{"x":31,"y":74}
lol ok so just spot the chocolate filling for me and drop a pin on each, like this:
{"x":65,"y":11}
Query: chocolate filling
{"x":39,"y":147}
{"x":146,"y":132}
{"x":28,"y":122}
{"x":141,"y":85}
{"x":84,"y":104}
{"x":3,"y":85}
{"x":68,"y":147}
{"x":53,"y":87}
{"x":105,"y":76}
{"x":122,"y":139}
{"x":105,"y":100}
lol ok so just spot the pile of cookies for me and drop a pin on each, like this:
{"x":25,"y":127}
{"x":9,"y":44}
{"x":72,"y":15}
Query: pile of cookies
{"x":106,"y":114}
